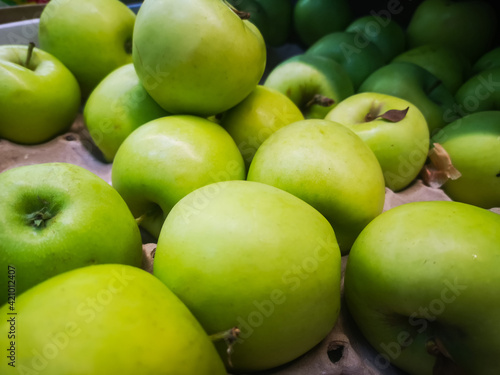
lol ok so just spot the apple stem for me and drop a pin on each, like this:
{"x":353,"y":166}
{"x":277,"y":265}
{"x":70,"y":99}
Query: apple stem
{"x":243,"y":15}
{"x":230,"y":336}
{"x":31,"y":46}
{"x":141,"y":218}
{"x":321,"y":100}
{"x":444,"y":364}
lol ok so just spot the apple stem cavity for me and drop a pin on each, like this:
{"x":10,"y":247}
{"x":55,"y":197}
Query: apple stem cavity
{"x":31,"y":46}
{"x":320,"y":100}
{"x":39,"y":219}
{"x":243,"y":15}
{"x":230,"y":337}
{"x":444,"y":365}
{"x":392,"y":115}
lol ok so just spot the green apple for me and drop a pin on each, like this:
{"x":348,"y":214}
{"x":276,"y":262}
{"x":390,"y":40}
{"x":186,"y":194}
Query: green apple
{"x":413,"y":83}
{"x":357,"y":55}
{"x":117,"y":106}
{"x":162,"y":161}
{"x":448,"y":65}
{"x":104,"y":319}
{"x":59,"y":216}
{"x":259,"y":115}
{"x":316,"y":84}
{"x":38,"y":100}
{"x":313,"y":19}
{"x":466,"y":26}
{"x":330,"y":167}
{"x":92,"y":37}
{"x":490,"y":59}
{"x":196,"y":56}
{"x":480,"y":92}
{"x":473,"y":144}
{"x":248,"y":255}
{"x":421,"y":284}
{"x":394,"y":129}
{"x":383,"y":32}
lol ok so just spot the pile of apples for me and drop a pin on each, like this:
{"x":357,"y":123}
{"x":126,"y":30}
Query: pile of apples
{"x":252,"y":186}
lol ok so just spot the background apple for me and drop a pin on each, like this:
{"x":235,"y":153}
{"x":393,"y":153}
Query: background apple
{"x":92,"y":37}
{"x":490,"y":59}
{"x":480,"y":92}
{"x":270,"y":266}
{"x":37,"y":101}
{"x":59,"y":216}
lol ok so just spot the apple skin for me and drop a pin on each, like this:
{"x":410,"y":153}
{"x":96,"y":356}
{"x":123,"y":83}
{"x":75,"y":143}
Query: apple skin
{"x":439,"y":262}
{"x":117,"y":106}
{"x":196,"y":56}
{"x":413,"y":83}
{"x":490,"y":59}
{"x":480,"y":92}
{"x":94,"y":323}
{"x":92,"y":37}
{"x":86,"y":222}
{"x":357,"y":55}
{"x":162,"y":161}
{"x":302,"y":77}
{"x":400,"y":147}
{"x":33,"y":111}
{"x":259,"y":115}
{"x":385,"y":33}
{"x":270,"y":265}
{"x":473,"y":144}
{"x":466,"y":26}
{"x":328,"y":166}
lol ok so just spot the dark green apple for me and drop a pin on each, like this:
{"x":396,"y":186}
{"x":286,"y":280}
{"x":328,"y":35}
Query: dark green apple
{"x":480,"y":92}
{"x":490,"y":59}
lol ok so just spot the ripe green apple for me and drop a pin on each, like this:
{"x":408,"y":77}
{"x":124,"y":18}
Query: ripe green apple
{"x":384,"y":32}
{"x":316,"y":84}
{"x":422,"y":285}
{"x":330,"y":167}
{"x":59,"y":216}
{"x":448,"y":65}
{"x":249,"y":255}
{"x":490,"y":59}
{"x":313,"y":19}
{"x":413,"y":83}
{"x":473,"y":144}
{"x":466,"y":26}
{"x":259,"y":115}
{"x":356,"y":54}
{"x":117,"y":106}
{"x":37,"y":101}
{"x":480,"y":92}
{"x":400,"y":142}
{"x":92,"y":37}
{"x":162,"y":161}
{"x":195,"y":56}
{"x":105,"y":319}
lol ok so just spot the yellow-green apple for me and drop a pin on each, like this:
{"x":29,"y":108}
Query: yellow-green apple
{"x":248,"y":255}
{"x":466,"y":26}
{"x":59,"y":216}
{"x":316,"y":84}
{"x":393,"y":128}
{"x":413,"y":83}
{"x":195,"y":56}
{"x":480,"y":92}
{"x":39,"y":97}
{"x":490,"y":59}
{"x":165,"y":159}
{"x":259,"y":115}
{"x":92,"y":37}
{"x":421,"y":284}
{"x":94,"y":322}
{"x":330,"y":167}
{"x":116,"y":107}
{"x":357,"y":55}
{"x":384,"y":32}
{"x":473,"y":145}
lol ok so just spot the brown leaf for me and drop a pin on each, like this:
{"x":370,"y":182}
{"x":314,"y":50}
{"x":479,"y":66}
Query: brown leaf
{"x":394,"y":115}
{"x":440,"y":169}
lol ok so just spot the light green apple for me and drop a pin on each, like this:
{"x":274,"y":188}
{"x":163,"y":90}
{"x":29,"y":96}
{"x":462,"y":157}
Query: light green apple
{"x":38,"y":100}
{"x":480,"y":92}
{"x":413,"y":83}
{"x":330,"y":167}
{"x":316,"y":84}
{"x":357,"y":55}
{"x":473,"y":144}
{"x":57,"y":217}
{"x":196,"y":56}
{"x":92,"y":37}
{"x":395,"y":130}
{"x":421,"y":284}
{"x":384,"y":32}
{"x":248,"y":255}
{"x":164,"y":160}
{"x":104,"y":319}
{"x":490,"y":59}
{"x":466,"y":26}
{"x":313,"y":19}
{"x":117,"y":106}
{"x":259,"y":115}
